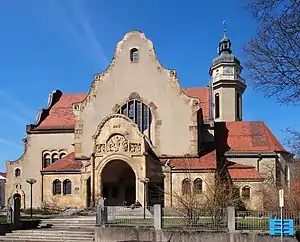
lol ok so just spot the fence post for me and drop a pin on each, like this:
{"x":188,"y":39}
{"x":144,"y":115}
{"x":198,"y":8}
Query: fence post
{"x":157,"y":217}
{"x":231,"y":219}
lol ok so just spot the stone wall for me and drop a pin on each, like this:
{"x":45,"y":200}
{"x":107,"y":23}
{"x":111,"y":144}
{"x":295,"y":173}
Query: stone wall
{"x":145,"y":235}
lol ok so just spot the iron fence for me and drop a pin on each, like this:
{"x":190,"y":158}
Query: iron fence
{"x":259,"y":220}
{"x":129,"y":216}
{"x":194,"y":219}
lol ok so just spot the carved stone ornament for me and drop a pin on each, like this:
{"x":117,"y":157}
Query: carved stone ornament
{"x":118,"y":143}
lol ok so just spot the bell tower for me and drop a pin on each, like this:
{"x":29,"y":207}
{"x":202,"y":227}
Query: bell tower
{"x":227,"y":84}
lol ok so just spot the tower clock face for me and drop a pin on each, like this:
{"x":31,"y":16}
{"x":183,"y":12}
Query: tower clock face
{"x":228,"y":70}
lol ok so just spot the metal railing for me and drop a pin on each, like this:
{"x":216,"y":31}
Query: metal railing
{"x":194,"y":219}
{"x":259,"y":220}
{"x":128,"y":216}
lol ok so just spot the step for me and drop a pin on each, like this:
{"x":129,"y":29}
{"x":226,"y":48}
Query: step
{"x":50,"y":237}
{"x":53,"y":234}
{"x":40,"y":240}
{"x":49,"y":231}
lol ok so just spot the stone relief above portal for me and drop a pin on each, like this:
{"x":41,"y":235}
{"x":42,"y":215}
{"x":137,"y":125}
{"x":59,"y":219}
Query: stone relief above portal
{"x":118,"y":143}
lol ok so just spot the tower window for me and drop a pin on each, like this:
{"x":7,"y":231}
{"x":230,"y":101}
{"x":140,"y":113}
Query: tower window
{"x":238,"y":106}
{"x":134,"y":55}
{"x":217,"y":106}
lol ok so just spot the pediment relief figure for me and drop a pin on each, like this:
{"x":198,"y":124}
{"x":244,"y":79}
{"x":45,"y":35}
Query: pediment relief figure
{"x":118,"y":143}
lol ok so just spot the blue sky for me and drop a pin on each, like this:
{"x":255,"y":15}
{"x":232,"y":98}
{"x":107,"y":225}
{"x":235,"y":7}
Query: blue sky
{"x":52,"y":44}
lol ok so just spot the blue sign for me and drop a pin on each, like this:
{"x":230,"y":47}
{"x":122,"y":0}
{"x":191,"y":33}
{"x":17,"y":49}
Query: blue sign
{"x":287,"y":226}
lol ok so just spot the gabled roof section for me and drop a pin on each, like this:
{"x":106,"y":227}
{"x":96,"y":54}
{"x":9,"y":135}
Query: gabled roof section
{"x":207,"y":161}
{"x":245,"y":174}
{"x":246,"y":137}
{"x":68,"y":163}
{"x":59,"y":115}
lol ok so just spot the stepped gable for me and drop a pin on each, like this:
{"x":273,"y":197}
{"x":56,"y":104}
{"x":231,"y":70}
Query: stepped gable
{"x":68,"y":163}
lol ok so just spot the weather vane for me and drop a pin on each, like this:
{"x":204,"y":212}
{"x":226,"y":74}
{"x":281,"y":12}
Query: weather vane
{"x":224,"y":27}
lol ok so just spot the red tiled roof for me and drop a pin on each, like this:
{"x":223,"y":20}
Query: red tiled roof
{"x":67,"y":163}
{"x":205,"y":162}
{"x":203,"y":94}
{"x":244,"y":174}
{"x":61,"y":115}
{"x":247,"y":136}
{"x":3,"y":174}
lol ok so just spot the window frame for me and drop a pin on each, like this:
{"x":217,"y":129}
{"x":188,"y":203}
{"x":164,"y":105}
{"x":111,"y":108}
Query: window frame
{"x":134,"y":55}
{"x":67,"y":187}
{"x":186,"y":187}
{"x":198,"y":189}
{"x":56,"y":187}
{"x":17,"y":172}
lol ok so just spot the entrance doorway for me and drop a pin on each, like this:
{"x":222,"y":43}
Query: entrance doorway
{"x":118,"y":184}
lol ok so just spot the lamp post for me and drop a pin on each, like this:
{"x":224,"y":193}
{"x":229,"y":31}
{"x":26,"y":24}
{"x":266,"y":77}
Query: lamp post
{"x":31,"y":181}
{"x":145,"y":181}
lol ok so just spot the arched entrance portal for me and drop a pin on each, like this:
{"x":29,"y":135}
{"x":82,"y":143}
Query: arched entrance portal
{"x":118,"y":183}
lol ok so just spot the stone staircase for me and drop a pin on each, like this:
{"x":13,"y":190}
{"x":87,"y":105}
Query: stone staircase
{"x":57,"y":229}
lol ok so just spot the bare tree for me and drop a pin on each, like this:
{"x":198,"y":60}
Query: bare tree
{"x":191,"y":205}
{"x":273,"y":54}
{"x":271,"y":187}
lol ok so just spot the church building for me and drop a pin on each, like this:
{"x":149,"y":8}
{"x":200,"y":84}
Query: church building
{"x":138,"y":136}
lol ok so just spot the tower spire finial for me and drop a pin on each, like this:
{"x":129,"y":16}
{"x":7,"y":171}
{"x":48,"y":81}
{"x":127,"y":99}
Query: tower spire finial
{"x":224,"y":28}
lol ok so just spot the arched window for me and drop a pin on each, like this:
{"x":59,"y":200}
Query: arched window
{"x":246,"y":193}
{"x":134,"y":55}
{"x":140,"y":113}
{"x":55,"y":157}
{"x":197,"y":186}
{"x":56,"y":187}
{"x":186,"y":186}
{"x":238,"y":106}
{"x":17,"y":172}
{"x":46,"y":160}
{"x":62,"y":155}
{"x":67,"y":187}
{"x":217,"y":106}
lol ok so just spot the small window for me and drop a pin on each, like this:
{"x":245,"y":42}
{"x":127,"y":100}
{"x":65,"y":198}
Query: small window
{"x":55,"y":157}
{"x":238,"y":106}
{"x":17,"y":172}
{"x":134,"y":55}
{"x":197,"y":186}
{"x":62,"y":155}
{"x":246,"y":193}
{"x":46,"y":160}
{"x":186,"y":186}
{"x":67,"y":187}
{"x":56,"y":187}
{"x":217,"y":106}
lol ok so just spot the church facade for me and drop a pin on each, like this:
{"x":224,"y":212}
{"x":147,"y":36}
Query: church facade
{"x":138,"y":136}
